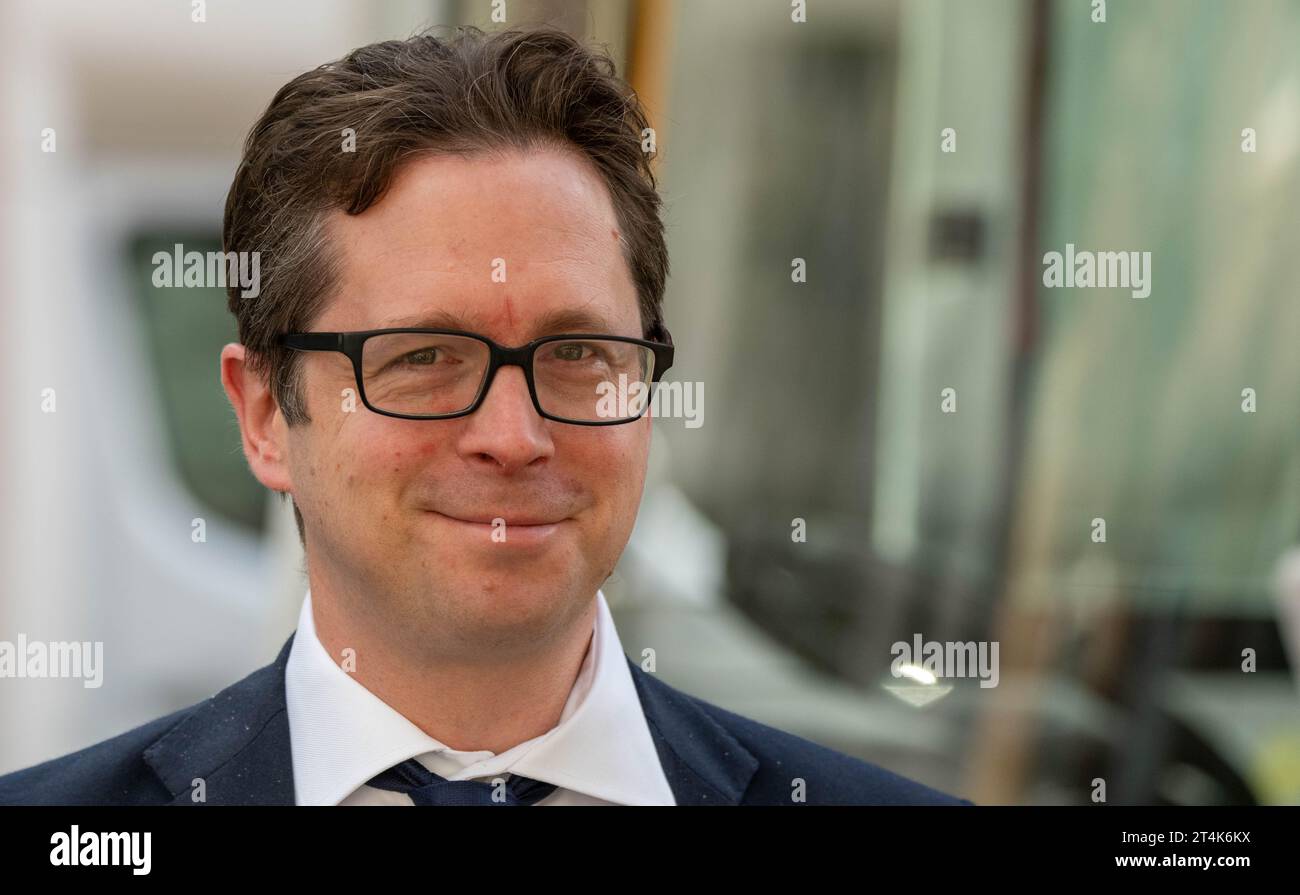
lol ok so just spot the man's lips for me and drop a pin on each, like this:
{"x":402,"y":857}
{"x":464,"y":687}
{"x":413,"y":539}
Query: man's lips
{"x":526,"y":532}
{"x":521,"y":520}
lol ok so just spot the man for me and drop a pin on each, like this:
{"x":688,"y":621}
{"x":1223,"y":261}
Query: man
{"x":461,"y":255}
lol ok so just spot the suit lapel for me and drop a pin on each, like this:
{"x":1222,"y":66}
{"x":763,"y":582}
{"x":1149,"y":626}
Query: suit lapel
{"x":704,"y":764}
{"x":237,"y":743}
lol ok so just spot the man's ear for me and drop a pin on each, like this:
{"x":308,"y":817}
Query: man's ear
{"x":262,"y":426}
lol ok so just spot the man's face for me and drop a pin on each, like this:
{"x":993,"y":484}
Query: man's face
{"x":399,"y":512}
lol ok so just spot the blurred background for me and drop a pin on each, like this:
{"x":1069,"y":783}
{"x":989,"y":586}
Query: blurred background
{"x":1127,"y":660}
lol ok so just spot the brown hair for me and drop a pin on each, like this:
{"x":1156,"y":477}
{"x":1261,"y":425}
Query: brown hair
{"x":474,"y":92}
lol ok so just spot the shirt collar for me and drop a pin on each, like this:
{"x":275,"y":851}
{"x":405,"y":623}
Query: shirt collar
{"x":342,"y":734}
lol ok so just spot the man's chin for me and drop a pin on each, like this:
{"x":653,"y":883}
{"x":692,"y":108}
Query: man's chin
{"x":492,"y":607}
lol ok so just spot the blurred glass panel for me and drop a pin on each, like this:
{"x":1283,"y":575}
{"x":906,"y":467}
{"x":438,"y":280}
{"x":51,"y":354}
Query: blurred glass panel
{"x":1136,"y":414}
{"x":185,"y":330}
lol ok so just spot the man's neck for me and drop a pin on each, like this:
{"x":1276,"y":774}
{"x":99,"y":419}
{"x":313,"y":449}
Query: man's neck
{"x":466,"y":705}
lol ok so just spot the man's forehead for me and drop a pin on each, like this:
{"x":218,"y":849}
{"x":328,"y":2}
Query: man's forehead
{"x":535,"y":250}
{"x":546,"y":193}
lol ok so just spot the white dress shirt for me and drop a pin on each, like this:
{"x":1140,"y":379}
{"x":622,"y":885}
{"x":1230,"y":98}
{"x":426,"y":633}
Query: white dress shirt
{"x":342,"y":735}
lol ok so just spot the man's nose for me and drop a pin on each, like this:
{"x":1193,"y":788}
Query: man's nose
{"x":506,"y":430}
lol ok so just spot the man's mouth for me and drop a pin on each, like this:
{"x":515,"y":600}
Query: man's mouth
{"x":527,"y":531}
{"x":507,"y":519}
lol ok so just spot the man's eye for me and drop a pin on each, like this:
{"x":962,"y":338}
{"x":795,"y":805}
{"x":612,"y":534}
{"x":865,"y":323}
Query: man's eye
{"x":571,"y":351}
{"x":423,"y":357}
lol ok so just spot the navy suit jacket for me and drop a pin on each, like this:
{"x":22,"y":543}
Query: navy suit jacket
{"x":238,"y":742}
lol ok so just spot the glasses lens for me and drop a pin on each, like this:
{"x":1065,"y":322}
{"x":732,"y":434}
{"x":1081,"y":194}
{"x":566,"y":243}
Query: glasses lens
{"x":593,"y":380}
{"x":422,"y":373}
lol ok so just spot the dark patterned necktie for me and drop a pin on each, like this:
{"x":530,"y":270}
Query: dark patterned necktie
{"x":427,"y":788}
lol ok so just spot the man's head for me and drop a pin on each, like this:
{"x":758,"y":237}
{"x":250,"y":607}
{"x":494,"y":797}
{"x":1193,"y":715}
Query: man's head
{"x":495,"y":181}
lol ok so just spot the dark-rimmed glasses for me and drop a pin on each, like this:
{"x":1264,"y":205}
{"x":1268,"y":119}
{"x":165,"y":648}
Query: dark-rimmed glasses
{"x":426,"y":374}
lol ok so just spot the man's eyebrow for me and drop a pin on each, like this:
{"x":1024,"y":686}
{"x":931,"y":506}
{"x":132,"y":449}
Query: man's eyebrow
{"x":432,"y":320}
{"x":572,"y":320}
{"x":557,"y":321}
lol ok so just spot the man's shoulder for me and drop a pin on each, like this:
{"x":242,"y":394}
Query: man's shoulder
{"x":110,"y":772}
{"x":828,"y":777}
{"x":148,"y":764}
